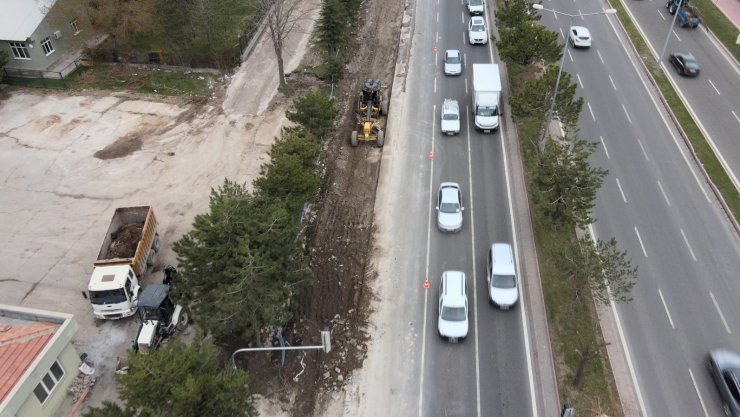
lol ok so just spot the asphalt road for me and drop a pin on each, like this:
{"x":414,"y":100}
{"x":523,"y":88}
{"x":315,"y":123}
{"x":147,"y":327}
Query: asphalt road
{"x":713,"y":96}
{"x":658,"y":207}
{"x":487,"y":374}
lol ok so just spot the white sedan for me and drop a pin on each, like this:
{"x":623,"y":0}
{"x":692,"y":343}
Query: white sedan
{"x":579,"y":37}
{"x":449,"y":207}
{"x":477,"y":32}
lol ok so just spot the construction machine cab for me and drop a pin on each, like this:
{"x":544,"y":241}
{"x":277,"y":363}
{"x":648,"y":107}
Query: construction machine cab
{"x":371,"y":104}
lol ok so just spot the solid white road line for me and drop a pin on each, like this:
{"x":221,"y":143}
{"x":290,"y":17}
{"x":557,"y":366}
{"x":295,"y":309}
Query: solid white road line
{"x":715,"y":87}
{"x":561,"y":33}
{"x":603,"y":144}
{"x":466,"y":86}
{"x":620,"y":190}
{"x":735,"y":114}
{"x":623,"y":340}
{"x":599,"y":54}
{"x":579,"y":80}
{"x":614,"y":86}
{"x":698,"y":394}
{"x":665,"y":196}
{"x":475,"y":278}
{"x":674,"y":32}
{"x":462,"y":17}
{"x":643,"y":149}
{"x":579,"y":12}
{"x":637,"y":232}
{"x":435,"y":83}
{"x":570,"y":56}
{"x":665,"y":306}
{"x":437,"y":17}
{"x":719,"y":311}
{"x":660,"y":14}
{"x":686,"y":241}
{"x":426,"y":267}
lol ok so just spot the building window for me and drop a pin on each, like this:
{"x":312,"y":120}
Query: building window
{"x":20,"y":50}
{"x":75,"y":28}
{"x":48,"y":382}
{"x":48,"y":47}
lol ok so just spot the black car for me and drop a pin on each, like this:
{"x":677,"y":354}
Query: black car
{"x":724,"y":366}
{"x":685,"y":64}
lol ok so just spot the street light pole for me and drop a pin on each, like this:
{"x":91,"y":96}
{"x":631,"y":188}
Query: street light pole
{"x":668,"y":36}
{"x":562,"y":62}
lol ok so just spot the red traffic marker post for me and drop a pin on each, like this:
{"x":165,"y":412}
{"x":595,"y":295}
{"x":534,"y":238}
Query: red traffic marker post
{"x":426,"y":283}
{"x":431,"y":155}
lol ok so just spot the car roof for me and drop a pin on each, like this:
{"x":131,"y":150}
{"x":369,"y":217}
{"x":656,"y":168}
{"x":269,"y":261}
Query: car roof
{"x":452,"y":52}
{"x":580,"y":30}
{"x":725,"y":358}
{"x":477,"y":20}
{"x":455,"y":292}
{"x":449,"y":193}
{"x":450,"y":105}
{"x":503,"y":259}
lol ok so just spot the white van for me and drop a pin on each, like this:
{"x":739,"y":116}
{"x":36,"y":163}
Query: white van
{"x":503,"y":284}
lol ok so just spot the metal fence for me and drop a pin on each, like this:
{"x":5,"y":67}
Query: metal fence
{"x":46,"y":79}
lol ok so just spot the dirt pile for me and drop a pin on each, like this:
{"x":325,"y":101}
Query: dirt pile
{"x":123,"y":242}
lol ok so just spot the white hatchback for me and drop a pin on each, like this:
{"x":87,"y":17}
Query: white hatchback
{"x":477,"y":32}
{"x":450,"y":117}
{"x":453,"y":62}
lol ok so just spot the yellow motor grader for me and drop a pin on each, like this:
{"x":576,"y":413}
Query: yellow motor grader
{"x":371,"y":104}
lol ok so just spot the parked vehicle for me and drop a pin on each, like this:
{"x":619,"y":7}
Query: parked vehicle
{"x":450,"y":117}
{"x":486,"y":97}
{"x":688,"y":15}
{"x":129,"y":248}
{"x":685,"y":64}
{"x":159,"y":317}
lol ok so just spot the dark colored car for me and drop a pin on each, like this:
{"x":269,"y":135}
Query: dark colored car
{"x":685,"y":64}
{"x":724,"y":366}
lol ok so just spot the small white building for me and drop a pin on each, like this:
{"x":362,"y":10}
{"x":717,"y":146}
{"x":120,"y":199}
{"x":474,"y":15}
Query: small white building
{"x":37,"y":361}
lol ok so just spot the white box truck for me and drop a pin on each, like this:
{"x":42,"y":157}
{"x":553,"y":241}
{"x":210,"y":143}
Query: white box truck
{"x":486,"y":97}
{"x":129,"y":248}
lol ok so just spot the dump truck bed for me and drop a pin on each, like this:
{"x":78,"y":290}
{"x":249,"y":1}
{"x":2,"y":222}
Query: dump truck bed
{"x":129,"y":239}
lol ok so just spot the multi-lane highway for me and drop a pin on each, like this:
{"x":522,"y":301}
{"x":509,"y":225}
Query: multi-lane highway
{"x":714,"y":96}
{"x":488,"y":374}
{"x":659,"y":207}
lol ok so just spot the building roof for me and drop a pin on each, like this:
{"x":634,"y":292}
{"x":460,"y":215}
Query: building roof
{"x":20,"y":343}
{"x":20,"y":18}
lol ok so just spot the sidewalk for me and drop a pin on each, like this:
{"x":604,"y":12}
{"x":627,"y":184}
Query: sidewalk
{"x":731,"y":9}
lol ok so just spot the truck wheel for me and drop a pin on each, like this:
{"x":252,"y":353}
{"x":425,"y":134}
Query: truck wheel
{"x":184,"y":319}
{"x":381,"y":138}
{"x":672,"y":9}
{"x":353,"y":138}
{"x":155,"y":244}
{"x":152,"y":257}
{"x":384,"y":107}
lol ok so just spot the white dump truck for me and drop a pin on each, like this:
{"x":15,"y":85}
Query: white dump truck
{"x":129,"y":248}
{"x":486,"y":97}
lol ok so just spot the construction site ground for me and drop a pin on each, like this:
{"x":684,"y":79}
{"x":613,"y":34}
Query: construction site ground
{"x":69,"y":158}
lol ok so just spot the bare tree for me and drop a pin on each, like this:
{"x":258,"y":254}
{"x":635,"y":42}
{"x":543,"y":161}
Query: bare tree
{"x":281,"y":17}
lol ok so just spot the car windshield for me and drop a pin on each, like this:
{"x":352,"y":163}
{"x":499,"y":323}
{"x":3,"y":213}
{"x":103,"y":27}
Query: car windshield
{"x":150,"y":313}
{"x":452,"y":59}
{"x":487,"y":111}
{"x":503,"y":281}
{"x":476,"y":2}
{"x":449,"y":207}
{"x":453,"y":313}
{"x":690,"y":63}
{"x":108,"y":296}
{"x":478,"y":28}
{"x":450,"y":116}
